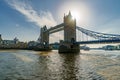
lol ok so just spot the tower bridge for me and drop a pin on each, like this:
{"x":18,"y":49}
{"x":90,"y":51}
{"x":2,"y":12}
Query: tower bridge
{"x":69,"y":44}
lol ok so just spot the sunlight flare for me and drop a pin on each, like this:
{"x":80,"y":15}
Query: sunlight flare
{"x":75,"y":15}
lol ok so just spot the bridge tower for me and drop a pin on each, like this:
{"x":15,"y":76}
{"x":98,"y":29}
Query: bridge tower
{"x":69,"y":45}
{"x":43,"y":40}
{"x":69,"y":28}
{"x":0,"y":39}
{"x":44,"y":36}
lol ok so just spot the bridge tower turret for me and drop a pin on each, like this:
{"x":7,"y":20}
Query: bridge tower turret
{"x":44,"y":35}
{"x":69,"y":44}
{"x":0,"y":37}
{"x":69,"y":28}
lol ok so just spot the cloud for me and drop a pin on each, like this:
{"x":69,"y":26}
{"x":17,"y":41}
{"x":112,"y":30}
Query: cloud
{"x":39,"y":18}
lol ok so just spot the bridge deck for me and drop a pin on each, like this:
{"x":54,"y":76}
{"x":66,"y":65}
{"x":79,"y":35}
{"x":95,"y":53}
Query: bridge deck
{"x":98,"y":41}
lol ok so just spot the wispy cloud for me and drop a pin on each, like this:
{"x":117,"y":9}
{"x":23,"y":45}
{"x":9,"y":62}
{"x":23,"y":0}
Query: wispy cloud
{"x":39,"y":18}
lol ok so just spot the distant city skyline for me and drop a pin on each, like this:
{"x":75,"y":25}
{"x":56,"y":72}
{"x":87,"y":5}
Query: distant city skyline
{"x":23,"y":18}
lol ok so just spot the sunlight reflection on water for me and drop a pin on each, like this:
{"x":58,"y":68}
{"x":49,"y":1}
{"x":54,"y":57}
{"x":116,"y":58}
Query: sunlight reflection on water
{"x":31,"y":65}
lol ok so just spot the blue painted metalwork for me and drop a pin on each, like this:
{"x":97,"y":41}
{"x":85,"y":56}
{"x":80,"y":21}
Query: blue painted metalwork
{"x":98,"y":41}
{"x":101,"y":37}
{"x":98,"y":35}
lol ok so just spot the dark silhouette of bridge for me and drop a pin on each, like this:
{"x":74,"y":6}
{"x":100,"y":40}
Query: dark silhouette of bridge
{"x":69,"y":44}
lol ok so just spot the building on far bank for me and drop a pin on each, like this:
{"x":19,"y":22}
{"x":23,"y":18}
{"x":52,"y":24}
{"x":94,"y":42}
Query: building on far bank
{"x":111,"y":47}
{"x":10,"y":42}
{"x":32,"y":44}
{"x":118,"y":47}
{"x":0,"y":39}
{"x":15,"y":43}
{"x":16,"y":40}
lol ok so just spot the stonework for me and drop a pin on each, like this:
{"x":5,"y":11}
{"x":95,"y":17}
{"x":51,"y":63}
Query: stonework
{"x":44,"y":35}
{"x":0,"y":37}
{"x":68,"y":45}
{"x":69,"y":28}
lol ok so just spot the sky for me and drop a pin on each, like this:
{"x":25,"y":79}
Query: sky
{"x":24,"y":18}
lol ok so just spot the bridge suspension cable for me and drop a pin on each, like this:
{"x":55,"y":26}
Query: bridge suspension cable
{"x":98,"y":35}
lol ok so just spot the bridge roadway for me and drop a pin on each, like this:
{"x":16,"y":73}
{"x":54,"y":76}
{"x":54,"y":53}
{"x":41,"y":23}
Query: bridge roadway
{"x":94,"y":42}
{"x":99,"y":41}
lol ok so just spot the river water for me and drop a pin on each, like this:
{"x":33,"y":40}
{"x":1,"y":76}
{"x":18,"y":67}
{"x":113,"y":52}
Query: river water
{"x":32,"y":65}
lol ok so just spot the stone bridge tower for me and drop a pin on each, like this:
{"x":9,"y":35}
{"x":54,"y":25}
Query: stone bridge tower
{"x":69,"y":44}
{"x":44,"y":36}
{"x":69,"y":28}
{"x":0,"y":37}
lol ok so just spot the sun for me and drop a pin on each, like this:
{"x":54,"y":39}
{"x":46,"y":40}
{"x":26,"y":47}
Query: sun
{"x":79,"y":11}
{"x":75,"y":15}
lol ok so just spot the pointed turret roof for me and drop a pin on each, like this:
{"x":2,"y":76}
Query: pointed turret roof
{"x":0,"y":37}
{"x":69,"y":13}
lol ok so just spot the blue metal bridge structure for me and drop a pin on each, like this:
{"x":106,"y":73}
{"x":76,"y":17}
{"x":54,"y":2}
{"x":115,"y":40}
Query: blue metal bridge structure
{"x":69,"y":26}
{"x":100,"y":37}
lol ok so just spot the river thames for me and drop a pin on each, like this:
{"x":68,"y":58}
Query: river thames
{"x":32,"y":65}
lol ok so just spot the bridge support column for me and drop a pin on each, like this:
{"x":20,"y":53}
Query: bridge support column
{"x":69,"y":45}
{"x":44,"y":40}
